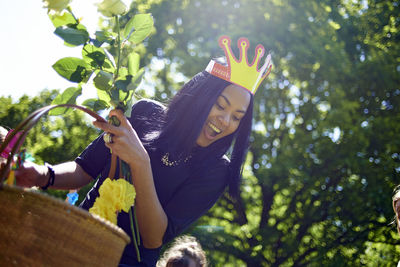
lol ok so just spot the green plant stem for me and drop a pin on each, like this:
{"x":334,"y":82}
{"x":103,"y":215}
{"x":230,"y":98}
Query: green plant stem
{"x":136,"y":225}
{"x":73,"y":15}
{"x":135,"y":243}
{"x":127,"y":175}
{"x":119,"y":47}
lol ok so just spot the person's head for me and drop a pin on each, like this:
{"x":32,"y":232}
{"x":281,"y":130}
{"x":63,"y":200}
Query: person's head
{"x":186,"y":251}
{"x":225,"y":115}
{"x":396,"y":206}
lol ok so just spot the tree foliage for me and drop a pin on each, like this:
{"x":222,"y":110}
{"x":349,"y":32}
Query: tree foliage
{"x":324,"y":156}
{"x":324,"y":153}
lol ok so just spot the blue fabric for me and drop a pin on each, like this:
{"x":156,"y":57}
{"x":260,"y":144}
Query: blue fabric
{"x":72,"y":198}
{"x":184,"y":193}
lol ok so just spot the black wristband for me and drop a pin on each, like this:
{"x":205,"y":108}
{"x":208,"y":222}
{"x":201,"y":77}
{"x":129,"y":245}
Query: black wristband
{"x":51,"y":178}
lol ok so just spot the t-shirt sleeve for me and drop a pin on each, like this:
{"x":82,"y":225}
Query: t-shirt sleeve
{"x":194,"y":199}
{"x":96,"y":155}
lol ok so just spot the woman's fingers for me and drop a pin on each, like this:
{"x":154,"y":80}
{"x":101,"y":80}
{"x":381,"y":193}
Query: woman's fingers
{"x":116,"y":130}
{"x":101,"y":125}
{"x":117,"y":136}
{"x":122,"y":139}
{"x":106,"y":127}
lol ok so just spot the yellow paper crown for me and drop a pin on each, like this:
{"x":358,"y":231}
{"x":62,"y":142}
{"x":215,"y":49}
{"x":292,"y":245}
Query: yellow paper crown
{"x":239,"y":71}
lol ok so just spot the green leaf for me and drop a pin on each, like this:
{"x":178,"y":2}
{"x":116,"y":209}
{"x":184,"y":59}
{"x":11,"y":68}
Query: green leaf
{"x":67,"y":97}
{"x":103,"y":37}
{"x":95,"y":104}
{"x":129,"y":104}
{"x":122,"y":84}
{"x":103,"y":80}
{"x":123,"y":72}
{"x":97,"y":58}
{"x":72,"y":36}
{"x":61,"y":20}
{"x":104,"y":96}
{"x":133,"y":63}
{"x":73,"y":69}
{"x":136,"y":80}
{"x":123,"y":97}
{"x":138,"y":28}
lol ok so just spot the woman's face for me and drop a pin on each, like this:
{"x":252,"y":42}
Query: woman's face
{"x":225,"y":115}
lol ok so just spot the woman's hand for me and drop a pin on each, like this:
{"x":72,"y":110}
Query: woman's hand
{"x":126,"y":144}
{"x":68,"y":175}
{"x":31,"y":174}
{"x":125,"y":141}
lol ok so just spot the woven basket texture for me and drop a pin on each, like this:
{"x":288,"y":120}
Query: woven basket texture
{"x":40,"y":230}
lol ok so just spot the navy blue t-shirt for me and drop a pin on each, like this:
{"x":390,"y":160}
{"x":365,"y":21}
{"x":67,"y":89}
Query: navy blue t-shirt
{"x":185,"y":194}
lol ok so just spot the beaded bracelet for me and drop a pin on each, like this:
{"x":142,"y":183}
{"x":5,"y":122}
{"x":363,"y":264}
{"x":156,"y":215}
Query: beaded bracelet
{"x":51,"y":178}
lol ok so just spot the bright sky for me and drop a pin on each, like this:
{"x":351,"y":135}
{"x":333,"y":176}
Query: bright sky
{"x":29,"y":47}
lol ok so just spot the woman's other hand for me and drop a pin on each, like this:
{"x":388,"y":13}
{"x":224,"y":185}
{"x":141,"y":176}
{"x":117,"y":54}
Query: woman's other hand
{"x":125,"y":141}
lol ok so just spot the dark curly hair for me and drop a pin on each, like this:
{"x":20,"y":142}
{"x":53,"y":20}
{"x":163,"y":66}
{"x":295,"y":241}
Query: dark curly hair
{"x":184,"y":250}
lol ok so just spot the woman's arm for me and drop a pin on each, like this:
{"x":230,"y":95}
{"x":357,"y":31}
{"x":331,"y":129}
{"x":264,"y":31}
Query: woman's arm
{"x":68,"y":175}
{"x":127,"y":146}
{"x":151,"y":216}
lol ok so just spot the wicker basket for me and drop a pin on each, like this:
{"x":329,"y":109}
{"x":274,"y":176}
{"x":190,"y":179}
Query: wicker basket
{"x":39,"y":230}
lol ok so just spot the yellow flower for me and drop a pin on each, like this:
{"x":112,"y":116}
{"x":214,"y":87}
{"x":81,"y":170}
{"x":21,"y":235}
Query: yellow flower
{"x":56,"y":5}
{"x":127,"y":194}
{"x":114,"y":196}
{"x":111,"y":8}
{"x":103,"y":208}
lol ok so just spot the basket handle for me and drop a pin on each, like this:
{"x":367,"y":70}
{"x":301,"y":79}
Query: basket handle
{"x":24,"y":128}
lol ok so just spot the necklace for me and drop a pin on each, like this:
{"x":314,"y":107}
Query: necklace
{"x":165,"y":160}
